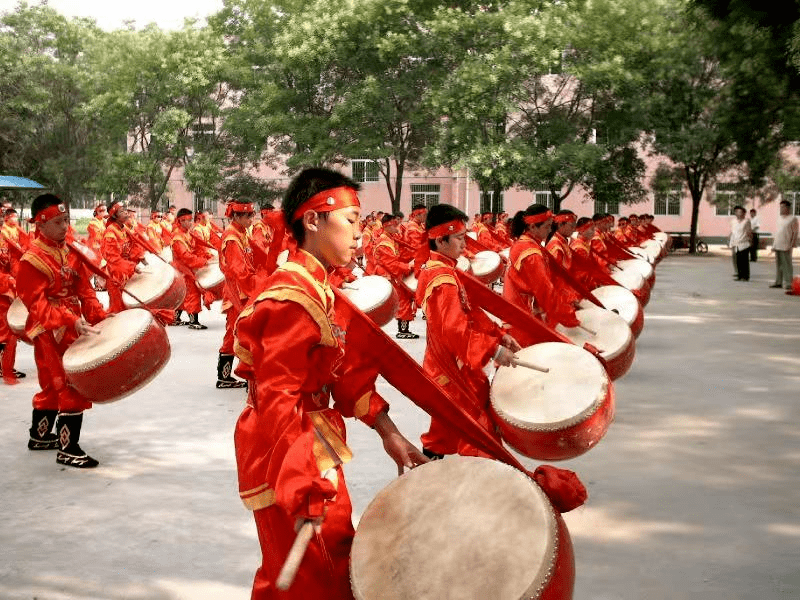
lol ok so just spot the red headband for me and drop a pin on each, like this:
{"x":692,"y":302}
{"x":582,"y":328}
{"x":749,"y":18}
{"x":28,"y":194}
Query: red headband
{"x":115,"y":208}
{"x":453,"y":227}
{"x":238,"y":207}
{"x":536,"y":219}
{"x":586,"y":225}
{"x":565,"y":218}
{"x":419,"y":211}
{"x":327,"y":201}
{"x":56,"y":210}
{"x":9,"y":216}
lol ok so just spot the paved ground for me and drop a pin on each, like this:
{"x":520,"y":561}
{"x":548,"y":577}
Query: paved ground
{"x":694,"y":492}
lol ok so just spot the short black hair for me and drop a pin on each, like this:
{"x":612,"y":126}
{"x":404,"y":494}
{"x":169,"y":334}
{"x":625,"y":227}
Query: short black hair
{"x":183,"y":212}
{"x":518,"y":225}
{"x":442,"y":213}
{"x":306,"y":184}
{"x":418,"y":207}
{"x":738,"y":207}
{"x":786,"y":203}
{"x":267,"y":206}
{"x":42,"y":202}
{"x":387,"y":217}
{"x":582,"y":221}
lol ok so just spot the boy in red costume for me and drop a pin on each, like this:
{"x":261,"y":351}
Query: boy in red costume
{"x":290,"y":438}
{"x":122,"y":254}
{"x":54,"y":285}
{"x":187,"y":255}
{"x":461,"y":339}
{"x":389,"y":264}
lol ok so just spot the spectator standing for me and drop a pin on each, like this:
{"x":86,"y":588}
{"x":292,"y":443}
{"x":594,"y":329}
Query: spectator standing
{"x":786,"y":235}
{"x":755,"y":225}
{"x":739,"y":243}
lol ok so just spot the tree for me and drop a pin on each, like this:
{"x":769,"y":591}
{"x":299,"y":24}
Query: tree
{"x":160,"y":95}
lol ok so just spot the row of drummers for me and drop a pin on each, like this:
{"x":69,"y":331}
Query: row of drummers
{"x":555,"y":405}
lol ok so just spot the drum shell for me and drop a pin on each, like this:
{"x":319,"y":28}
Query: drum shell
{"x":17,"y":316}
{"x":490,"y":276}
{"x":130,"y":369}
{"x":171,"y":298}
{"x":210,"y":278}
{"x":617,"y":363}
{"x":636,"y":325}
{"x":382,"y":313}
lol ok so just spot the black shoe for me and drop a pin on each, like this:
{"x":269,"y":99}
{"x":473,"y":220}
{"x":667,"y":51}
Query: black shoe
{"x":406,"y":335}
{"x":40,"y":436}
{"x":79,"y":461}
{"x":223,"y":384}
{"x":776,"y":285}
{"x":197,"y":326}
{"x":432,"y":455}
{"x":70,"y":453}
{"x":194,"y":322}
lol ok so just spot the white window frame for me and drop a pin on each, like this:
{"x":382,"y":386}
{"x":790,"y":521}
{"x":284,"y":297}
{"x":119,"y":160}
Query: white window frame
{"x":730,"y":191}
{"x":369,"y":170}
{"x":543,"y":196}
{"x":674,"y":198}
{"x":425,"y":193}
{"x":794,"y":199}
{"x":488,"y":203}
{"x":612,"y":208}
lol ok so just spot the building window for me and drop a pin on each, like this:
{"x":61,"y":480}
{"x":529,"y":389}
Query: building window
{"x":543,"y":196}
{"x":611,"y":207}
{"x":794,"y":199}
{"x":427,"y":194}
{"x":669,"y":202}
{"x":365,"y":169}
{"x":726,"y":196}
{"x":490,"y":204}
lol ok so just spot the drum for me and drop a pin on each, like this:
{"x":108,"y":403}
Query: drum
{"x":464,"y":264}
{"x":211,"y":278}
{"x":487,"y":266}
{"x":458,"y":528}
{"x":641,"y":253}
{"x":158,"y":286}
{"x":655,"y":250}
{"x":661,"y":236}
{"x":505,"y":253}
{"x":410,"y":283}
{"x":638,"y":265}
{"x":473,"y":235}
{"x":622,"y":301}
{"x":282,"y":257}
{"x":612,"y":337}
{"x":633,"y":281}
{"x":17,"y":316}
{"x":555,"y":415}
{"x":375,"y":296}
{"x":166,"y":254}
{"x":130,"y":350}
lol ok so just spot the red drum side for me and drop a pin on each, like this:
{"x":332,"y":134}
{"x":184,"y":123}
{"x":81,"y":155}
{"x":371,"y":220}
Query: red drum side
{"x":487,"y":266}
{"x":375,"y":296}
{"x":625,"y":302}
{"x":109,"y":366}
{"x":158,"y":286}
{"x":17,"y":316}
{"x":556,"y":415}
{"x":210,"y":278}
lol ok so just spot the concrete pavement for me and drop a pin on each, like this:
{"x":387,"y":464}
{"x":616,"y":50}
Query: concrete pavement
{"x":693,"y":492}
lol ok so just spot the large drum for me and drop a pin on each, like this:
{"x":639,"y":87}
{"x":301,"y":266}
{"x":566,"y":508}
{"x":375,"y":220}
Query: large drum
{"x":130,"y":350}
{"x":487,"y":266}
{"x":642,"y":254}
{"x":611,"y":336}
{"x":555,"y":415}
{"x":410,"y":283}
{"x":638,"y":265}
{"x":375,"y":296}
{"x":632,"y":280}
{"x":462,"y":528}
{"x":211,"y":278}
{"x":17,"y":316}
{"x":622,"y":301}
{"x":654,"y":249}
{"x":282,"y":257}
{"x":464,"y":264}
{"x":158,"y":286}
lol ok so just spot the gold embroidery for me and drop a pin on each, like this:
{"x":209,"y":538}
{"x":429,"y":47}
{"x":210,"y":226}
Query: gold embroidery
{"x":361,"y":406}
{"x":258,"y":498}
{"x":525,"y":254}
{"x":331,"y":435}
{"x":443,"y":279}
{"x":300,"y":296}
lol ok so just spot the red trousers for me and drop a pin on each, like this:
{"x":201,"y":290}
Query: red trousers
{"x":115,"y":303}
{"x":191,"y":304}
{"x":406,"y":308}
{"x":324,"y":573}
{"x":230,"y":321}
{"x":56,"y":394}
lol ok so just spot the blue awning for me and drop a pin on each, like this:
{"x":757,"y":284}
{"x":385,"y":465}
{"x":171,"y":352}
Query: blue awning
{"x":9,"y":182}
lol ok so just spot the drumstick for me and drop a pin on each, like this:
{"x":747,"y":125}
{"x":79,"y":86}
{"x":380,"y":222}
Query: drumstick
{"x":295,"y":556}
{"x":527,"y":365}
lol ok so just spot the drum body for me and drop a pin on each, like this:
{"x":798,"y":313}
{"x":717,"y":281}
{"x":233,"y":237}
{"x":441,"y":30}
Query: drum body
{"x":556,"y":415}
{"x":210,"y":278}
{"x":282,"y":257}
{"x":613,"y":338}
{"x":623,"y":301}
{"x":654,"y":249}
{"x":632,"y":280}
{"x":158,"y":286}
{"x":410,"y":283}
{"x":130,"y":350}
{"x":463,"y":527}
{"x":487,"y":266}
{"x":17,"y":316}
{"x":641,"y":253}
{"x":375,"y":296}
{"x":464,"y":264}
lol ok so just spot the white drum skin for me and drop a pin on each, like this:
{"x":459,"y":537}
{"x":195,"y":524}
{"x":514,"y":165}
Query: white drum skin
{"x":130,"y":350}
{"x":633,"y":281}
{"x":282,"y":257}
{"x":462,"y":528}
{"x":464,"y":264}
{"x":158,"y":286}
{"x":556,"y":415}
{"x":614,"y":338}
{"x":17,"y":316}
{"x":622,"y":300}
{"x":410,"y":282}
{"x":487,"y":266}
{"x":211,"y":278}
{"x":375,"y":296}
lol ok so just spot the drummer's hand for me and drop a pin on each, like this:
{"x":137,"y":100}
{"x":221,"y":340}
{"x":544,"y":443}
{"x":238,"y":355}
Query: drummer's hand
{"x":509,"y":342}
{"x":504,"y":357}
{"x":402,"y":452}
{"x":82,"y":326}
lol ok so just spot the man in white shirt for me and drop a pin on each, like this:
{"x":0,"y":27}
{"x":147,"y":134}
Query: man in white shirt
{"x":754,"y":227}
{"x":786,"y":235}
{"x":740,"y":243}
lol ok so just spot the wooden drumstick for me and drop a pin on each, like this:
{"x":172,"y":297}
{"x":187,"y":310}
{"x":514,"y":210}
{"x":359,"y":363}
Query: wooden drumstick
{"x":295,"y":556}
{"x":587,"y":330}
{"x":527,"y":365}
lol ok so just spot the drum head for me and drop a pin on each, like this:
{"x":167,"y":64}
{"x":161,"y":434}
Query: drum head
{"x":462,"y":527}
{"x":613,"y":333}
{"x":485,"y":262}
{"x":411,"y":282}
{"x":616,"y":297}
{"x":631,"y":280}
{"x":282,"y":257}
{"x":661,"y":236}
{"x":17,"y":316}
{"x":637,"y":265}
{"x":463,"y":264}
{"x":571,"y":391}
{"x":505,"y":253}
{"x":153,"y":282}
{"x":210,"y":276}
{"x":117,"y":333}
{"x":368,"y":293}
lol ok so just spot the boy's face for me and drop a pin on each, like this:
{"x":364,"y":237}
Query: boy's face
{"x":56,"y":228}
{"x":454,"y":246}
{"x":337,"y":235}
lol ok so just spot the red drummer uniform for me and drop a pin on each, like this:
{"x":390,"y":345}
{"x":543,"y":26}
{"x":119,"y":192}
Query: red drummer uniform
{"x":121,"y":255}
{"x":528,"y":284}
{"x":154,"y":234}
{"x":8,"y":341}
{"x":584,"y":267}
{"x":14,"y":233}
{"x":95,"y":230}
{"x":55,"y":287}
{"x":290,"y":343}
{"x":236,"y":263}
{"x":388,"y":264}
{"x":461,"y":340}
{"x":485,"y":237}
{"x":188,"y":255}
{"x":417,"y":238}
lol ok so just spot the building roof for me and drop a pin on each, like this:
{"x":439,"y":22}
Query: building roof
{"x":10,"y":182}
